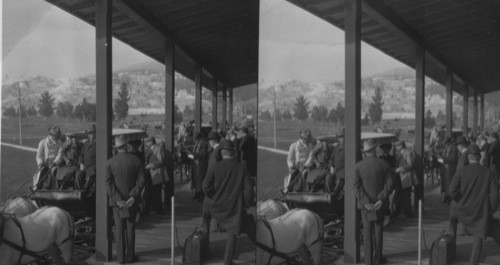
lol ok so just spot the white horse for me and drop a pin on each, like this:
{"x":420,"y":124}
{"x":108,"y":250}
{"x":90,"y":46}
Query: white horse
{"x":19,"y":207}
{"x":297,"y":231}
{"x":26,"y":239}
{"x":270,"y":209}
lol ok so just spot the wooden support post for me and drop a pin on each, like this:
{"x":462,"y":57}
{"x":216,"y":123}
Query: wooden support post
{"x":353,"y":125}
{"x":214,"y":105}
{"x":231,"y":107}
{"x":481,"y":115}
{"x":465,"y":119}
{"x":104,"y":95}
{"x":419,"y":120}
{"x":224,"y":109}
{"x":474,"y":125}
{"x":449,"y":102}
{"x":197,"y":97}
{"x":169,"y":117}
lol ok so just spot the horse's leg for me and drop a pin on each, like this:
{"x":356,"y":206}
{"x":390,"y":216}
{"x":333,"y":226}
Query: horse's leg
{"x":66,"y":249}
{"x":55,"y":254}
{"x":305,"y":255}
{"x":316,"y":251}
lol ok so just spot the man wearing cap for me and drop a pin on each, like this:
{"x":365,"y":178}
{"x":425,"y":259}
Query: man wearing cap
{"x":200,"y":165}
{"x":155,"y":167}
{"x":85,"y":180}
{"x":68,"y":167}
{"x":372,"y":185}
{"x":299,"y":158}
{"x":49,"y":154}
{"x":247,"y":151}
{"x":124,"y":182}
{"x":474,"y":192}
{"x":228,"y":192}
{"x":494,"y":154}
{"x":405,"y":160}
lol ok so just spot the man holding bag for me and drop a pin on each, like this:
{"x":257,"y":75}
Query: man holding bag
{"x":405,"y":160}
{"x":155,"y":166}
{"x":124,"y":182}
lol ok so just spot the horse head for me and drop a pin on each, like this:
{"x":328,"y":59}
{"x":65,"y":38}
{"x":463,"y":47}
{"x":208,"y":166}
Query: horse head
{"x":270,"y":209}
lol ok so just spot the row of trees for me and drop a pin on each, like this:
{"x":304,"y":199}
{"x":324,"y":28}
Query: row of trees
{"x":322,"y":115}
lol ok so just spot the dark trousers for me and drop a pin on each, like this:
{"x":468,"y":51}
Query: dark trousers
{"x":476,"y":245}
{"x":403,"y":201}
{"x":155,"y":195}
{"x":168,"y":189}
{"x":124,"y":237}
{"x":230,"y":248}
{"x":372,"y":239}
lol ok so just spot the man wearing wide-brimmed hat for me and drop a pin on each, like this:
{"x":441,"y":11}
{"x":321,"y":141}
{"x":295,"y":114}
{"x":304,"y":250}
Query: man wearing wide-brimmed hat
{"x":48,"y":155}
{"x":124,"y":183}
{"x":475,"y":194}
{"x":372,"y":186}
{"x":299,"y":159}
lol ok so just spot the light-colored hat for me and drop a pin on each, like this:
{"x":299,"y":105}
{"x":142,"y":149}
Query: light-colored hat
{"x":120,"y":141}
{"x":369,"y":145}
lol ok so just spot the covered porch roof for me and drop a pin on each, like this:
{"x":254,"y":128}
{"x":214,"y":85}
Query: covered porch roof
{"x":460,"y":35}
{"x":222,"y":36}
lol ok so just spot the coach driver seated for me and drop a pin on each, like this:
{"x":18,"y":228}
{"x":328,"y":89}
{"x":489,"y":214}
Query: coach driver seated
{"x":299,"y":159}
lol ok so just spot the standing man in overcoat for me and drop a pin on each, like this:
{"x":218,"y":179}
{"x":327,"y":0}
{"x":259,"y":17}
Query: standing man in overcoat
{"x":229,"y":192}
{"x":405,"y":160}
{"x":372,"y":186}
{"x":494,"y":154}
{"x":200,"y":165}
{"x":247,"y":151}
{"x":214,"y":157}
{"x":85,"y":178}
{"x":450,"y":160}
{"x":155,"y":167}
{"x":475,"y":194}
{"x":124,"y":182}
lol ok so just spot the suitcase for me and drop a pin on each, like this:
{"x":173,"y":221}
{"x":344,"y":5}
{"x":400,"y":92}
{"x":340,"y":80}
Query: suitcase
{"x":196,"y":248}
{"x":443,"y":250}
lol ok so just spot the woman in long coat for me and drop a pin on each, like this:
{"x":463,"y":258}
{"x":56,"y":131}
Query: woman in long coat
{"x":200,"y":165}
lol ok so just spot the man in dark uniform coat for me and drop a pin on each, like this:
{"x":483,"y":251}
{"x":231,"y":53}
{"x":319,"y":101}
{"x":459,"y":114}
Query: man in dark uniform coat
{"x":228,"y":192}
{"x":494,"y":154}
{"x":450,"y":160}
{"x":474,"y":192}
{"x":214,"y":157}
{"x":124,"y":182}
{"x":85,"y":179}
{"x":334,"y":182}
{"x":372,"y":185}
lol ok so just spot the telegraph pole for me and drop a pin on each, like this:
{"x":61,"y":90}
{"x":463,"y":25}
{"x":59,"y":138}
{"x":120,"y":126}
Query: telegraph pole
{"x":19,"y":113}
{"x":274,"y":114}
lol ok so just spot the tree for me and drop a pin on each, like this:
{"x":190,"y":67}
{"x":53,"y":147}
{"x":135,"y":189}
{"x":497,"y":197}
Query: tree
{"x":429,"y":120}
{"x":188,"y":113}
{"x":178,"y":115}
{"x":121,"y":103}
{"x":266,"y":115}
{"x":64,"y":110}
{"x":24,"y":113}
{"x":32,"y":111}
{"x":300,"y":109}
{"x":9,"y":112}
{"x":319,"y":114}
{"x":85,"y":111}
{"x":366,"y":120}
{"x":45,"y":104}
{"x":440,"y":117}
{"x":375,"y":110}
{"x":340,"y":111}
{"x":332,"y":115}
{"x":287,"y":115}
{"x":279,"y":115}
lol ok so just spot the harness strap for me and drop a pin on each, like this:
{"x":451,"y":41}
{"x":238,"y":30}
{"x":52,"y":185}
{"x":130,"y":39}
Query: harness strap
{"x":23,"y":238}
{"x":23,"y":251}
{"x":273,"y":241}
{"x":275,"y":253}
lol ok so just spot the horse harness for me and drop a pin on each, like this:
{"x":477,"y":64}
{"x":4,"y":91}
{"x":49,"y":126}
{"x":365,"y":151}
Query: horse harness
{"x":22,"y":249}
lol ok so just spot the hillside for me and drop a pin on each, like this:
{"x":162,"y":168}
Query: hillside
{"x":398,"y":92}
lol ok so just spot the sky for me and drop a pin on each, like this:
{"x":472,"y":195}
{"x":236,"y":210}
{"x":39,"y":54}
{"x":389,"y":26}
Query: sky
{"x":41,"y":39}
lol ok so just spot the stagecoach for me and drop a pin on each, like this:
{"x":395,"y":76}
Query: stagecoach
{"x":78,"y":203}
{"x":330,"y":207}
